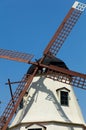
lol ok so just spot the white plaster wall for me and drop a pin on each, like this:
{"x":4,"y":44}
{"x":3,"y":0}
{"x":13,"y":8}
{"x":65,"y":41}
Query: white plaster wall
{"x":42,"y":104}
{"x":62,"y":127}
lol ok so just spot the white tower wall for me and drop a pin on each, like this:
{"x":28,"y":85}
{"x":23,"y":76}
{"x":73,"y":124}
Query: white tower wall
{"x":42,"y":108}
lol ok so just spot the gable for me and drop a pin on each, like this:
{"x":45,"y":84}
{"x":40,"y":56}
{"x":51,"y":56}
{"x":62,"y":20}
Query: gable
{"x":35,"y":127}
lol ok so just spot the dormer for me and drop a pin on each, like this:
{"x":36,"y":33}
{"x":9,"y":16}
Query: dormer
{"x":35,"y":127}
{"x":63,"y":95}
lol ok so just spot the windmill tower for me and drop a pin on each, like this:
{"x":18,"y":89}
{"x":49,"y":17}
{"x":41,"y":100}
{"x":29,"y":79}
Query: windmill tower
{"x":45,"y":99}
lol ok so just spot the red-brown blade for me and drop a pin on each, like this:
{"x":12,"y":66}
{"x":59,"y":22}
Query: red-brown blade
{"x":14,"y":55}
{"x":17,"y":97}
{"x":64,"y":29}
{"x":67,"y":76}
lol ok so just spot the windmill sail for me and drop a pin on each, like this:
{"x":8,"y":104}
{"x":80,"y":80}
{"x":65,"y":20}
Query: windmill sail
{"x":64,"y":29}
{"x":14,"y":55}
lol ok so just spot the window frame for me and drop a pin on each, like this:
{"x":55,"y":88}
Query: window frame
{"x":64,"y":98}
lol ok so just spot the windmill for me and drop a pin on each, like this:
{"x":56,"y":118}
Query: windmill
{"x":47,"y":66}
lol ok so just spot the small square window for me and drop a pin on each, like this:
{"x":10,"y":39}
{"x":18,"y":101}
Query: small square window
{"x":64,"y":98}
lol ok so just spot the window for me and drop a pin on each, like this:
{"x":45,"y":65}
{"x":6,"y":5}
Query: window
{"x":64,"y":98}
{"x":35,"y":129}
{"x":21,"y":104}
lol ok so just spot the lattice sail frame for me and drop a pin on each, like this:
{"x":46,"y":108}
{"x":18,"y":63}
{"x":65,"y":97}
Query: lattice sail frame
{"x":67,"y":76}
{"x":65,"y":29}
{"x":14,"y":55}
{"x":17,"y":97}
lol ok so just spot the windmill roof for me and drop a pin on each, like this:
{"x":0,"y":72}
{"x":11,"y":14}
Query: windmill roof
{"x":49,"y":61}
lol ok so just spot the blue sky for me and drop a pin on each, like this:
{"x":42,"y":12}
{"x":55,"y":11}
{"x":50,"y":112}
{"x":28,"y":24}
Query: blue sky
{"x":27,"y":26}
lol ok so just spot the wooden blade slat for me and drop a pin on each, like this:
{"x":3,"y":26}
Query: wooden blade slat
{"x":14,"y":55}
{"x":65,"y":28}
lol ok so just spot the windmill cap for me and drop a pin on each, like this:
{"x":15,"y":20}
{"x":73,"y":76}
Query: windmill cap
{"x":49,"y":61}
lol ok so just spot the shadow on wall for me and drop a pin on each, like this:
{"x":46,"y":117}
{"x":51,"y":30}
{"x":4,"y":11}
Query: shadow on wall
{"x":39,"y":86}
